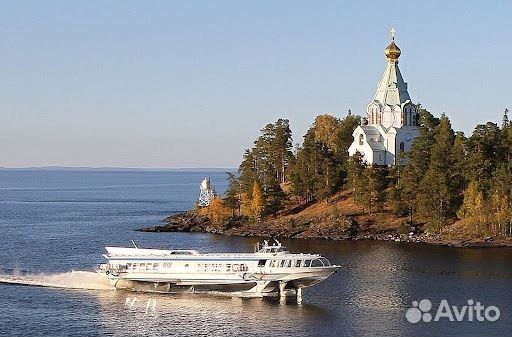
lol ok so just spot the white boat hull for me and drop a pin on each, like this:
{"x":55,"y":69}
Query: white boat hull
{"x":267,"y":272}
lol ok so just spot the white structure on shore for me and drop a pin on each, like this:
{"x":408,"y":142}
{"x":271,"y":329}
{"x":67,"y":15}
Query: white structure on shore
{"x":392,"y":117}
{"x":206,"y":193}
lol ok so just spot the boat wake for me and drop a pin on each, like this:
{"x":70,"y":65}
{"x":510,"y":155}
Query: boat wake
{"x":68,"y":280}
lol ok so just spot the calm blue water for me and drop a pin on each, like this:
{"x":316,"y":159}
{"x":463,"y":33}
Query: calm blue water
{"x":56,"y":222}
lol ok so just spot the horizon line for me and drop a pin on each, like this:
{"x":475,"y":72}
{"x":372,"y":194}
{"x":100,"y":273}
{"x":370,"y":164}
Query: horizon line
{"x":116,"y":168}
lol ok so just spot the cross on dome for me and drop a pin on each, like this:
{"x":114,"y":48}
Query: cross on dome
{"x":393,"y":31}
{"x":392,"y":51}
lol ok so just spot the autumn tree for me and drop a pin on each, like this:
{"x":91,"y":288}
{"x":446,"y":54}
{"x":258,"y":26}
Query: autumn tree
{"x":217,"y":211}
{"x":258,"y":201}
{"x":320,"y":168}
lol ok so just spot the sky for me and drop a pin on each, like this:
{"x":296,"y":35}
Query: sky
{"x":175,"y":84}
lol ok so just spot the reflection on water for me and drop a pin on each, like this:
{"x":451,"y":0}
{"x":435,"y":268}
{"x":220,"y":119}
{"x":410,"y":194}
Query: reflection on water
{"x":126,"y":313}
{"x":368,"y":296}
{"x":55,"y":222}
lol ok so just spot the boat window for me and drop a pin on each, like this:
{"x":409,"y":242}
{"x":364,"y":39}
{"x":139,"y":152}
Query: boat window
{"x":307,"y":263}
{"x":155,"y":266}
{"x":142,"y":266}
{"x":316,"y":263}
{"x":282,"y":264}
{"x":261,"y":263}
{"x":128,"y":266}
{"x":297,"y":263}
{"x":288,"y":263}
{"x":325,"y":262}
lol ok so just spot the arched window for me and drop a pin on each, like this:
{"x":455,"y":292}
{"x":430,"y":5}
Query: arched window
{"x":361,"y":139}
{"x":402,"y":147}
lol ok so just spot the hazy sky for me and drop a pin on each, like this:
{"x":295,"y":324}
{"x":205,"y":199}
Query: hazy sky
{"x":168,"y":84}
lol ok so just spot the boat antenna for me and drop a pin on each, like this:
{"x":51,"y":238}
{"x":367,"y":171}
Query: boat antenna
{"x":134,"y":244}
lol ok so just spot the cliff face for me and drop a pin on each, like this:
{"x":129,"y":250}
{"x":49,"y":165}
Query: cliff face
{"x":339,"y":219}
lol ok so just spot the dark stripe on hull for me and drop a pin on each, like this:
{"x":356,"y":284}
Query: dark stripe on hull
{"x":165,"y":287}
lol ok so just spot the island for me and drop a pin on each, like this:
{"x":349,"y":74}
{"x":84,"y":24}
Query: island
{"x":400,"y":173}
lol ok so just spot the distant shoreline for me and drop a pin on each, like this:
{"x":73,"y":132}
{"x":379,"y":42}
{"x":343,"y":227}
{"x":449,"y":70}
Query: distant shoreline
{"x":119,"y":169}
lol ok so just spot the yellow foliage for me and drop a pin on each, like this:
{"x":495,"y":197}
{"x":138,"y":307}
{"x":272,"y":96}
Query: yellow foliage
{"x":327,"y":130}
{"x":472,"y":207}
{"x":246,"y":205}
{"x":258,"y":202}
{"x":217,"y":212}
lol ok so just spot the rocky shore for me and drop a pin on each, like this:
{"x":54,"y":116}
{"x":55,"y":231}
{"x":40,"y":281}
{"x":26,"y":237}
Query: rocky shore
{"x":332,"y":227}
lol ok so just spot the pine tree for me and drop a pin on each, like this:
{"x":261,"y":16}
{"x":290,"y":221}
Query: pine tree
{"x":435,"y":190}
{"x":505,"y":122}
{"x":233,"y":198}
{"x":374,"y":177}
{"x":458,"y":170}
{"x":484,"y":154}
{"x":417,"y":162}
{"x":268,"y":162}
{"x":358,"y":180}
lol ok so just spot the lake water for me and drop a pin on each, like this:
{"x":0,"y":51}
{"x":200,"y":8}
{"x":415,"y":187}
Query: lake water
{"x":54,"y":225}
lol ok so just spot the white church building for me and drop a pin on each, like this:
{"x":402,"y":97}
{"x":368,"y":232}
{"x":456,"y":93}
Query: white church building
{"x":392,"y":117}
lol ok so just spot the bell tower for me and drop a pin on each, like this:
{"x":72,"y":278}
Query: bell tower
{"x":391,"y":105}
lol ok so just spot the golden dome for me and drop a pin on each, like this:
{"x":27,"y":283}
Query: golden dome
{"x":392,"y":51}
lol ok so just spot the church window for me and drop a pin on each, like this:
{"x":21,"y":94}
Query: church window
{"x":361,"y":139}
{"x":402,"y":147}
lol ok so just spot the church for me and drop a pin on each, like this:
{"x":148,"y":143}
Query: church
{"x":392,"y":117}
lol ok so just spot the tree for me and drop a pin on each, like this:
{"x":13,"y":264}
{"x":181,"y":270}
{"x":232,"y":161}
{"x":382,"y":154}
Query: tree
{"x":417,"y":163}
{"x":357,"y":180}
{"x":233,"y":197}
{"x":375,"y":179}
{"x":435,"y":191}
{"x":472,"y":204}
{"x":501,"y":201}
{"x":268,"y":163}
{"x":217,"y":212}
{"x":484,"y":153}
{"x":258,"y":201}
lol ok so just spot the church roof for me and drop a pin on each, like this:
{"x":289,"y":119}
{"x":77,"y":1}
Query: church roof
{"x":392,"y":89}
{"x":377,"y":146}
{"x":370,"y":130}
